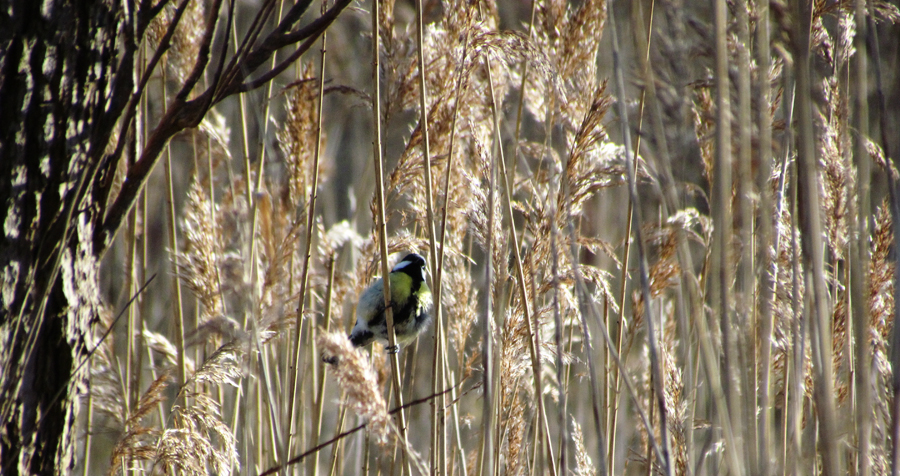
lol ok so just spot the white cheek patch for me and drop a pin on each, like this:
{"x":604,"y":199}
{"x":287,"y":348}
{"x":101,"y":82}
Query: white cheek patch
{"x":401,"y":265}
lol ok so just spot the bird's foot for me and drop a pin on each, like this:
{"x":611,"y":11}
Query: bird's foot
{"x":392,"y":349}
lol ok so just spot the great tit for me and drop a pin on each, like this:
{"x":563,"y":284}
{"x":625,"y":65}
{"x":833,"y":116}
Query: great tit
{"x":410,"y":303}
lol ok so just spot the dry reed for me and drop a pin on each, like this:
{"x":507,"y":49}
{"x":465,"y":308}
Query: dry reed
{"x":750,"y":325}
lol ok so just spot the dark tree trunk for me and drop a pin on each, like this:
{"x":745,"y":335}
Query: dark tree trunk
{"x":58,"y":59}
{"x":68,"y":102}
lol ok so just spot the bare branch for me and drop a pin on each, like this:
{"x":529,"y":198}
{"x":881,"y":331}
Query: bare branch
{"x":182,"y":114}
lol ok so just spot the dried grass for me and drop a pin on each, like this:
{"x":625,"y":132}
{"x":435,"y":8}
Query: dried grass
{"x":567,"y":174}
{"x":358,"y":382}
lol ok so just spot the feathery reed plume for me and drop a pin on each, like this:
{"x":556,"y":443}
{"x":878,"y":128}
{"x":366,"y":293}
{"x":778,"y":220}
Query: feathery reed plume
{"x":297,"y":136}
{"x":198,"y":441}
{"x":881,"y":314}
{"x":199,"y":261}
{"x":222,"y":366}
{"x":358,"y":382}
{"x":676,"y":400}
{"x":516,"y":445}
{"x":569,"y":38}
{"x":186,"y":41}
{"x":161,"y":345}
{"x":838,"y":172}
{"x":461,"y":306}
{"x":106,"y":380}
{"x":139,"y":441}
{"x":583,"y":464}
{"x":524,"y":83}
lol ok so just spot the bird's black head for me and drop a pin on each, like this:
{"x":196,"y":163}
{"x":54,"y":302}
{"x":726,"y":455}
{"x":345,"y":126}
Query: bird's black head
{"x":412,"y":264}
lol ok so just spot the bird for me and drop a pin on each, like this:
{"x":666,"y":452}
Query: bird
{"x":411,"y":303}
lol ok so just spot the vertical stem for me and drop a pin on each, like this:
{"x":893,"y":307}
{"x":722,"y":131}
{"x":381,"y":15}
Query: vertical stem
{"x":798,"y":339}
{"x":438,"y":417}
{"x":307,"y":253}
{"x":134,"y":356}
{"x":89,"y":422}
{"x":173,"y":249}
{"x":176,"y":282}
{"x":686,"y":311}
{"x":252,"y":312}
{"x":860,"y":251}
{"x":745,"y":351}
{"x":337,"y":444}
{"x":486,"y":457}
{"x":894,"y":195}
{"x":439,"y":266}
{"x":720,"y":277}
{"x":588,"y":306}
{"x":557,"y":335}
{"x":380,"y":222}
{"x":613,"y":409}
{"x":317,"y":414}
{"x":244,"y":397}
{"x":652,"y":340}
{"x":813,"y":249}
{"x":520,"y":275}
{"x":766,"y":261}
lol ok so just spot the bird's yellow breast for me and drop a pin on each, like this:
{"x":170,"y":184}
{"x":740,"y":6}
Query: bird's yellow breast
{"x":401,"y":288}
